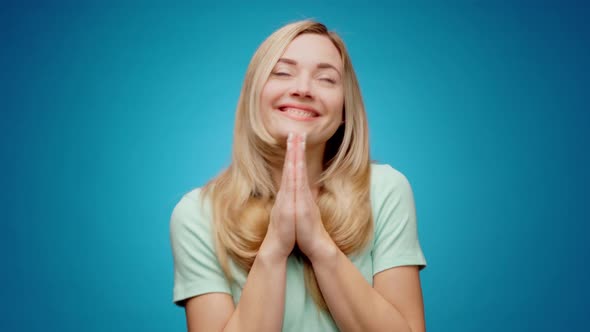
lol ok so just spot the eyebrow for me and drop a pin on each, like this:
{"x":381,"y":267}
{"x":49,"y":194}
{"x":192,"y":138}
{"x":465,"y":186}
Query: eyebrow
{"x":321,"y":65}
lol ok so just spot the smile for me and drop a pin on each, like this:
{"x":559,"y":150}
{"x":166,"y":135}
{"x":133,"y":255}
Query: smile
{"x":298,"y":114}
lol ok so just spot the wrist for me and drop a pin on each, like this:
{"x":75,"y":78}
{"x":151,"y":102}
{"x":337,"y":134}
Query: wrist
{"x":325,"y":251}
{"x":271,"y":253}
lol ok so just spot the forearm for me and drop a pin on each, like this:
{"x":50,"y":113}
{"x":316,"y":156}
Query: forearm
{"x":354,"y":304}
{"x":261,"y":305}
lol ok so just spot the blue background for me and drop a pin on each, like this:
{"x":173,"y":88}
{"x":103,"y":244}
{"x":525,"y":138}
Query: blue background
{"x":112,"y":111}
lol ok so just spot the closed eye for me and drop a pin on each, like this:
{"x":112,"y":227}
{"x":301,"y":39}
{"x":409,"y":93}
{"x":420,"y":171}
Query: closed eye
{"x":281,"y":74}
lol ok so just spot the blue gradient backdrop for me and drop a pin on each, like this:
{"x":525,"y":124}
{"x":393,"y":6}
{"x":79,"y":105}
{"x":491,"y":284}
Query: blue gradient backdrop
{"x":110,"y":112}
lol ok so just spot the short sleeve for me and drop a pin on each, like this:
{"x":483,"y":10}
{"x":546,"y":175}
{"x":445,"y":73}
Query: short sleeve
{"x":196,"y":268}
{"x":396,"y":240}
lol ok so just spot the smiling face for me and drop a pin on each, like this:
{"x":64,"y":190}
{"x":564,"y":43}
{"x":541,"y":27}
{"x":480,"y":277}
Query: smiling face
{"x":304,"y":92}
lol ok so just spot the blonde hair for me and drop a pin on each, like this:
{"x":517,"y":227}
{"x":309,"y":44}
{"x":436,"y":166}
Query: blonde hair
{"x":244,"y":193}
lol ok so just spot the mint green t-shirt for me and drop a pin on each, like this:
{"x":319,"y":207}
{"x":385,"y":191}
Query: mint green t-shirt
{"x":395,"y":243}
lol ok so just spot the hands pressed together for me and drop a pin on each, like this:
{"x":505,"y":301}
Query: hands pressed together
{"x":295,"y":217}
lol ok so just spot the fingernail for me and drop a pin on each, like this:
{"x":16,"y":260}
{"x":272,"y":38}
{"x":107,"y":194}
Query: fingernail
{"x":290,"y":137}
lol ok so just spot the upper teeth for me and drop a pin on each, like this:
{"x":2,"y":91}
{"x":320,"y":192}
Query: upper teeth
{"x":299,"y":112}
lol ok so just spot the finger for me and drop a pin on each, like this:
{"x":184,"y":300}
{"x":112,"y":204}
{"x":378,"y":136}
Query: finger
{"x":284,"y":174}
{"x":290,"y":168}
{"x":303,"y":200}
{"x":301,"y":171}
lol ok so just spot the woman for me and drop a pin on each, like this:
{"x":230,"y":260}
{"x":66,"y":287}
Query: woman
{"x":301,"y":232}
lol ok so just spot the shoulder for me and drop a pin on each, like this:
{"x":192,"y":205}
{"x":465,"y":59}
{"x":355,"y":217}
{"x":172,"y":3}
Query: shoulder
{"x":396,"y":234}
{"x":190,"y":212}
{"x":391,"y":193}
{"x":385,"y":178}
{"x":189,"y":204}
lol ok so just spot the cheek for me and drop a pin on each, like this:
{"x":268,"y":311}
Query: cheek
{"x":270,"y":91}
{"x":268,"y":96}
{"x":264,"y":95}
{"x":336,"y":104}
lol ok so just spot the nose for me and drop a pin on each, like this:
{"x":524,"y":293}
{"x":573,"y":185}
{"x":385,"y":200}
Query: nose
{"x":301,"y":88}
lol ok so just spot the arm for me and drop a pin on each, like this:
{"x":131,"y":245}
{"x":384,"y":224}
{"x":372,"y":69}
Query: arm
{"x":261,"y":305}
{"x":354,"y":304}
{"x":394,"y":304}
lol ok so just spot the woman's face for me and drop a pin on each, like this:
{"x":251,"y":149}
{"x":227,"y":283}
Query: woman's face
{"x":304,"y":92}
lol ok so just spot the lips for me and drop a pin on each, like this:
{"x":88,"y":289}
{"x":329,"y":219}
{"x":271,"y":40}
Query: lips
{"x":299,"y":110}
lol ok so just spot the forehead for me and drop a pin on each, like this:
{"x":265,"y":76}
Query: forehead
{"x":313,"y":49}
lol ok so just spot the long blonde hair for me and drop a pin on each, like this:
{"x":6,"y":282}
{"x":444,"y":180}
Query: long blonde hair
{"x":244,"y":193}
